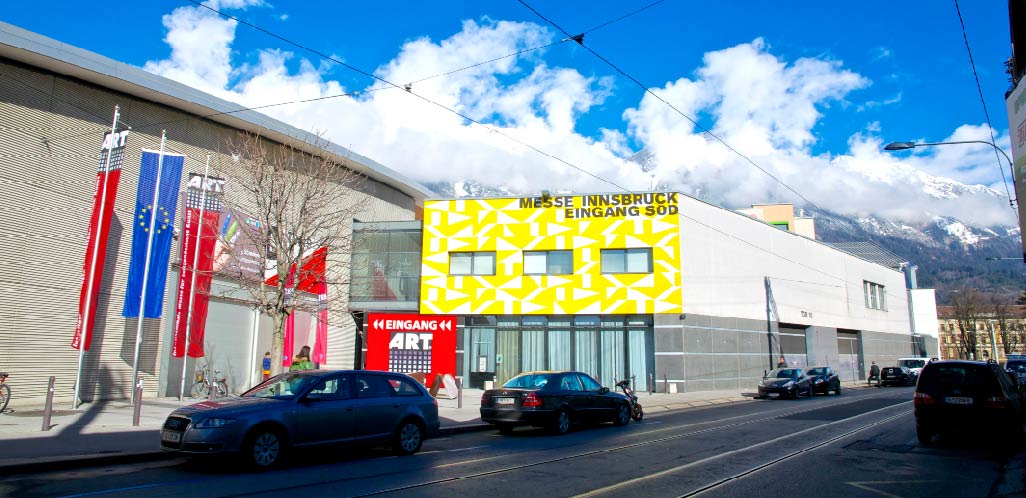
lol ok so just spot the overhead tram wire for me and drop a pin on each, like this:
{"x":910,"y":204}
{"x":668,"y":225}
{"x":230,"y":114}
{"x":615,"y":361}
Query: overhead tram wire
{"x":986,"y":114}
{"x":357,"y":92}
{"x":580,"y":41}
{"x":545,"y":153}
{"x":235,"y":111}
{"x":170,"y":147}
{"x":411,"y":92}
{"x":625,"y":16}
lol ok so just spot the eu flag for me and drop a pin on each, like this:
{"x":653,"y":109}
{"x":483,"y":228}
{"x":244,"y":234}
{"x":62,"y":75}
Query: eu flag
{"x":161,"y":226}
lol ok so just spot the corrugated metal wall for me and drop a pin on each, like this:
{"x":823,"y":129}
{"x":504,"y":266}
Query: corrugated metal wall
{"x":51,"y":130}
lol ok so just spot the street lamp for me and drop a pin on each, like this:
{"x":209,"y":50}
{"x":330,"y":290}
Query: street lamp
{"x":912,"y":145}
{"x":900,"y":146}
{"x":1011,"y":168}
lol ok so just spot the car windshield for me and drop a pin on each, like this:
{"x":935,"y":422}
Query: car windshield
{"x":784,"y":373}
{"x":818,"y":371}
{"x":912,"y":362}
{"x":528,"y":381}
{"x":1016,"y":366}
{"x":284,"y":386}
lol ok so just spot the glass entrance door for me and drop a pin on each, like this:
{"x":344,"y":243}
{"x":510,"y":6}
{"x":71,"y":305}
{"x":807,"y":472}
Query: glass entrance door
{"x":481,"y":360}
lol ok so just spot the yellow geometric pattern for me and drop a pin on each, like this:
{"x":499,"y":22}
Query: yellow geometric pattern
{"x":584,"y":224}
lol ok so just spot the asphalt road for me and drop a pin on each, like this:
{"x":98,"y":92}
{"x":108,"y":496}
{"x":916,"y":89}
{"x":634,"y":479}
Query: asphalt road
{"x":859,"y":444}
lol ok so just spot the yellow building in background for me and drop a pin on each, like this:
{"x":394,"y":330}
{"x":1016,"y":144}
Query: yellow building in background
{"x":590,"y":254}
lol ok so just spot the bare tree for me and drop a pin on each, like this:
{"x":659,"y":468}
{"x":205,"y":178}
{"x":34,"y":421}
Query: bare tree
{"x":1006,"y":326}
{"x":297,"y":207}
{"x":969,"y":308}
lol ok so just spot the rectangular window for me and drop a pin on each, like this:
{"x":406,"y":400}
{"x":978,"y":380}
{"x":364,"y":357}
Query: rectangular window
{"x":472,"y":263}
{"x":548,"y":262}
{"x":875,"y":295}
{"x":638,"y":260}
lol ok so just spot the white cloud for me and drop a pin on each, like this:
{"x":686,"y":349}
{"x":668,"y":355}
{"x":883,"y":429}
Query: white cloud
{"x":763,"y":106}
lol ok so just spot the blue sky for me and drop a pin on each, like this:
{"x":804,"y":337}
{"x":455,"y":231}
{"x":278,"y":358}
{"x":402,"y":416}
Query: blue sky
{"x":809,"y":91}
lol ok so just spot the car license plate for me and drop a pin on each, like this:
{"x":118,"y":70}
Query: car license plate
{"x":171,"y":436}
{"x":774,"y":395}
{"x":504,"y":401}
{"x":958,"y":400}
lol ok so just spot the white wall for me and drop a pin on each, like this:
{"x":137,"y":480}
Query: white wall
{"x":924,"y":309}
{"x":727,"y":255}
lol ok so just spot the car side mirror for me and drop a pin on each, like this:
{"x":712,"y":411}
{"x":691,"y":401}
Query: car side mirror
{"x":603,"y":390}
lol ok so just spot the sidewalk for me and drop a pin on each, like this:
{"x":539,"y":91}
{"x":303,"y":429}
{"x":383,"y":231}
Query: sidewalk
{"x":102,"y":432}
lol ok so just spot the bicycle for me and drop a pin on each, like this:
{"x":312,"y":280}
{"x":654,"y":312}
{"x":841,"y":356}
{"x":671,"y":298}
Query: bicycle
{"x":5,"y":392}
{"x":201,"y":388}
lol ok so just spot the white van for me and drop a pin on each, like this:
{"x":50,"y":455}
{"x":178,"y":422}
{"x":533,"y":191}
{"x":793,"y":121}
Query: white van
{"x":914,"y":364}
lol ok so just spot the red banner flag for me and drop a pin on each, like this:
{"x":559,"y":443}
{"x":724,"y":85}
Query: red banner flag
{"x":199,"y":235}
{"x":288,"y":346}
{"x":111,"y":156}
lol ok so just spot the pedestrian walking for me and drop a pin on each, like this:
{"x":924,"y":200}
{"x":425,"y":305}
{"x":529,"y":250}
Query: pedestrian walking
{"x":874,"y":373}
{"x":782,"y":363}
{"x":266,"y":367}
{"x":302,"y":360}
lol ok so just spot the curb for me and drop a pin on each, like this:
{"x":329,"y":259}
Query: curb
{"x":50,"y":464}
{"x":38,"y":465}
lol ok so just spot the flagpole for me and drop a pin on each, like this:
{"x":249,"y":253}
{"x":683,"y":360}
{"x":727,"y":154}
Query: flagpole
{"x":146,"y":267}
{"x":192,"y":285}
{"x":86,"y":315}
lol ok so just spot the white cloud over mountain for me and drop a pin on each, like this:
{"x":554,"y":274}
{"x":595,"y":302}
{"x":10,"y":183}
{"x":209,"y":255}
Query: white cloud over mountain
{"x":765,"y":107}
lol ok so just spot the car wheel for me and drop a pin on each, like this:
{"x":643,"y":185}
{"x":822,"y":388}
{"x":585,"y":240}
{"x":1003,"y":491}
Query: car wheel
{"x":562,"y":424}
{"x":623,"y":415}
{"x":408,"y":437}
{"x":505,"y":428}
{"x":264,"y":448}
{"x":838,"y":389}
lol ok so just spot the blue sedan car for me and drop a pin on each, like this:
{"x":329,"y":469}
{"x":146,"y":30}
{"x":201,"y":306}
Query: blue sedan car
{"x":308,"y":408}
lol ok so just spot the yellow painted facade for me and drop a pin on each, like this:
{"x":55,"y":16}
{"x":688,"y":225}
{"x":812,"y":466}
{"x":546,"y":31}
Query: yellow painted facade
{"x":584,"y":224}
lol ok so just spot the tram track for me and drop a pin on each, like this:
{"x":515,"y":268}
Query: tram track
{"x":361,"y":482}
{"x":592,"y":453}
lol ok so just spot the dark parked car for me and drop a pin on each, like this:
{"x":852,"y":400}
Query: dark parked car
{"x":785,"y":382}
{"x":897,"y":376}
{"x":1017,"y":368}
{"x":308,"y":408}
{"x":824,"y":380}
{"x":954,"y":395}
{"x":552,"y":399}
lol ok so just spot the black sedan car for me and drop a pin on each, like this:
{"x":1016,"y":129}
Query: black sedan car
{"x":825,"y":380}
{"x":897,"y":376}
{"x":785,"y":382}
{"x":552,"y":399}
{"x":309,"y":408}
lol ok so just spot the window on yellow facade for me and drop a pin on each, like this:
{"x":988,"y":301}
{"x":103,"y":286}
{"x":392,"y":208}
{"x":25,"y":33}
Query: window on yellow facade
{"x":636,"y":260}
{"x":472,"y":263}
{"x":548,"y":262}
